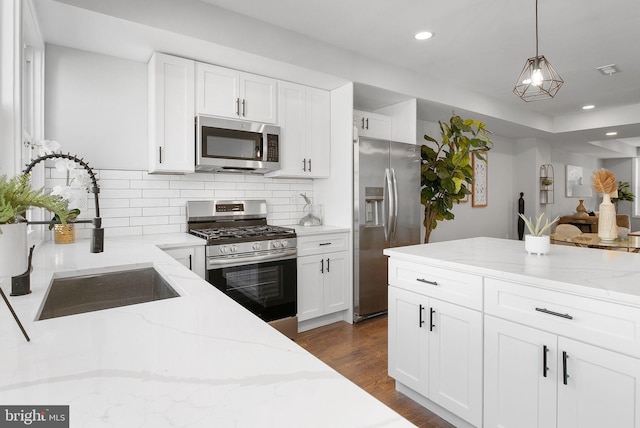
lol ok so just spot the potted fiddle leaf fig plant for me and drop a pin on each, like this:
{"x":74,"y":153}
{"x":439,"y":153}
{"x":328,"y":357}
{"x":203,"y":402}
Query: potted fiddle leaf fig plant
{"x":446,"y":170}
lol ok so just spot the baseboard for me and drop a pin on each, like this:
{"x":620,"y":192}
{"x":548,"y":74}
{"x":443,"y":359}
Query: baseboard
{"x":320,"y":321}
{"x":433,"y":407}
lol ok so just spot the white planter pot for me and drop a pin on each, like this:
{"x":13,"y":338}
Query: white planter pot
{"x":13,"y":249}
{"x":537,"y":244}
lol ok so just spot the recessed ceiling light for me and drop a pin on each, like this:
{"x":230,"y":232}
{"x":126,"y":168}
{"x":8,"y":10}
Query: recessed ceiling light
{"x":423,"y":35}
{"x":588,"y":107}
{"x":611,"y":134}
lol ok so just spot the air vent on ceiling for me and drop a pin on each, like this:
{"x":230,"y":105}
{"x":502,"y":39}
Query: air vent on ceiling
{"x":608,"y":70}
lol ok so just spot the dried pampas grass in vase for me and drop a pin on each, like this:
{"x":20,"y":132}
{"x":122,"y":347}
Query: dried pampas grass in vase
{"x":604,"y":182}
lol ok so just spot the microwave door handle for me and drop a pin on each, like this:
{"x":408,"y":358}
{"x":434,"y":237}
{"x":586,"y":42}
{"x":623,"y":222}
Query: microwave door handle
{"x":259,"y":148}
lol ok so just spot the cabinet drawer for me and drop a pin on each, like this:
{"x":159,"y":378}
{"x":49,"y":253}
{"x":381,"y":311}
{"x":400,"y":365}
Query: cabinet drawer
{"x":606,"y":324}
{"x":455,"y":287}
{"x":321,"y":244}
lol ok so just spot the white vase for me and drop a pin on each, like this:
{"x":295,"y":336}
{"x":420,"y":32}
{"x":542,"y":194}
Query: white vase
{"x":537,"y":244}
{"x":607,"y":228}
{"x":13,"y":249}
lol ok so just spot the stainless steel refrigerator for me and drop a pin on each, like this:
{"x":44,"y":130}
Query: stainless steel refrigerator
{"x":386,"y":214}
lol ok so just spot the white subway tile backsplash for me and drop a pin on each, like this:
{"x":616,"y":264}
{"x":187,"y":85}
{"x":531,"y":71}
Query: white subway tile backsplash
{"x":138,"y":203}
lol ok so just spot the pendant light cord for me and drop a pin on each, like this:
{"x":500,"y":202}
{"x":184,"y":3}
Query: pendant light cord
{"x":537,"y":28}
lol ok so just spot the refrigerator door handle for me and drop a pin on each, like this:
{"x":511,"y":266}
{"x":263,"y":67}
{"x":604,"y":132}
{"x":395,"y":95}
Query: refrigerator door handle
{"x":387,"y":206}
{"x":394,"y":212}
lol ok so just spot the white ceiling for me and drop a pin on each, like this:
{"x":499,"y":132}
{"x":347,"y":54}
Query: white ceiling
{"x":474,"y":59}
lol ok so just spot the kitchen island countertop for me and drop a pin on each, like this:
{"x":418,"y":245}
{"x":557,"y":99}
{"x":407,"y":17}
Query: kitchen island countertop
{"x":198,"y":360}
{"x":603,"y":274}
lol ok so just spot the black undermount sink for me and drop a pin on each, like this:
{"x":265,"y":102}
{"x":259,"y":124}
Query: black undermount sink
{"x":93,"y":292}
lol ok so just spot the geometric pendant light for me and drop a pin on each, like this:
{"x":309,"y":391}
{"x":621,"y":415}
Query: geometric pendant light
{"x":538,"y":80}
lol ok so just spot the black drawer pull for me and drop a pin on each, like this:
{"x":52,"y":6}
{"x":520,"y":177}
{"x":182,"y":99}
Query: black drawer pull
{"x":324,"y":243}
{"x":565,"y":375}
{"x":545,"y":369}
{"x":557,"y":314}
{"x":420,"y":313}
{"x":426,"y":281}
{"x":433,"y":311}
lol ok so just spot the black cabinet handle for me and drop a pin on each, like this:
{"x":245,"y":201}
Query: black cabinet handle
{"x":160,"y":154}
{"x":545,"y":369}
{"x":367,"y":123}
{"x":190,"y":263}
{"x":321,"y":265}
{"x":322,"y":244}
{"x":363,"y":123}
{"x":426,"y":281}
{"x":327,"y":264}
{"x":244,"y":108}
{"x":238,"y":106}
{"x":420,"y":313}
{"x":565,"y":375}
{"x":557,"y":314}
{"x":433,"y":311}
{"x":304,"y":165}
{"x":309,"y":165}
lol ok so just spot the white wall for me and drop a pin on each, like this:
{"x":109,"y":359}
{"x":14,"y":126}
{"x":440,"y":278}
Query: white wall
{"x":497,"y":219}
{"x":96,"y":107}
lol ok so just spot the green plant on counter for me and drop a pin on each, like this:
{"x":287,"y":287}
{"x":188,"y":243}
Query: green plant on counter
{"x":446,"y":169}
{"x":17,"y":196}
{"x":538,"y":229}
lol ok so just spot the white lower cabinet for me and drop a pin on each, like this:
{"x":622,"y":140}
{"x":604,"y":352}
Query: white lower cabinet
{"x":322,"y":284}
{"x":435,"y":348}
{"x":323,"y":275}
{"x":191,"y":257}
{"x":537,"y":379}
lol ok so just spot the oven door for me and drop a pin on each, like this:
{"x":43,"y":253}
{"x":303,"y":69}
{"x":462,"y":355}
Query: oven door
{"x":267,"y":288}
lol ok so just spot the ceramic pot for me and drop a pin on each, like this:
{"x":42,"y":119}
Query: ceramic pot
{"x":13,"y":249}
{"x":64,"y":233}
{"x":537,"y":244}
{"x":607,"y":227}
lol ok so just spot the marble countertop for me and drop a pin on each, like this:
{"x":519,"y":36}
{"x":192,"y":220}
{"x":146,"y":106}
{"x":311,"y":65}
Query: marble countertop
{"x":198,"y":360}
{"x":605,"y":274}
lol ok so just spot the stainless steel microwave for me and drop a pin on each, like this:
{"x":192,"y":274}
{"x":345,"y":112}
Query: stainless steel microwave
{"x":226,"y":145}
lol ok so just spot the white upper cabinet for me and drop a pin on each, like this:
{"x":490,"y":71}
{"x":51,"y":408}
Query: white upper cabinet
{"x":372,"y":125}
{"x":230,"y":93}
{"x":304,"y":115}
{"x":171,"y":114}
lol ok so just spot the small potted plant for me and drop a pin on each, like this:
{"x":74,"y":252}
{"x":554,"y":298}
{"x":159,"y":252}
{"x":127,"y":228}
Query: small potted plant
{"x":16,"y":197}
{"x":537,"y":242}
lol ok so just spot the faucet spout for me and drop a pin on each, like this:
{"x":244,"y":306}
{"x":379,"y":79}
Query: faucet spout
{"x":97,"y":233}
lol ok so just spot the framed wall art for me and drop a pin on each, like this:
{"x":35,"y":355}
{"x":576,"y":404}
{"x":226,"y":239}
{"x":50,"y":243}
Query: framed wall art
{"x":479,"y":189}
{"x":574,"y":177}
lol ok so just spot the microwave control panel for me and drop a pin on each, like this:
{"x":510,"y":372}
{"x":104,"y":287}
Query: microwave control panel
{"x":272,"y":148}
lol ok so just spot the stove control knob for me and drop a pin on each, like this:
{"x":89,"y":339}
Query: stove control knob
{"x":234,"y":249}
{"x":276,"y":244}
{"x":223,"y":249}
{"x":284,"y":243}
{"x":256,"y":246}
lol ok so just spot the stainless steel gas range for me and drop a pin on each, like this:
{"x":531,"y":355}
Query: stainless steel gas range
{"x":247,"y":259}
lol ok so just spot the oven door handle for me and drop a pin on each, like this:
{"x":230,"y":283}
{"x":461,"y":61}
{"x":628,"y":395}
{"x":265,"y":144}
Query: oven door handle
{"x":220,"y":262}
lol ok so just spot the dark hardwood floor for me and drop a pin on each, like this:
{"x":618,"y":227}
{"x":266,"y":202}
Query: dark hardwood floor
{"x":359,"y":352}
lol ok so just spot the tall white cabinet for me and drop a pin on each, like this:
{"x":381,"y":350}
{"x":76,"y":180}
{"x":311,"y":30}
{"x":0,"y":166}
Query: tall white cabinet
{"x":171,"y":114}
